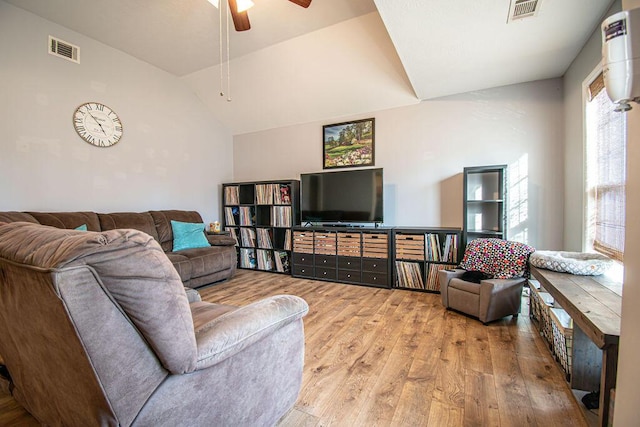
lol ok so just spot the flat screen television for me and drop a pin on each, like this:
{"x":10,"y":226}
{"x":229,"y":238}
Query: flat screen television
{"x":353,"y":196}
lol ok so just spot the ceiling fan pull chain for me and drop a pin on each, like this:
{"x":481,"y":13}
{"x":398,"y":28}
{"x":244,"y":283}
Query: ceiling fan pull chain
{"x":228,"y":58}
{"x":220,"y":30}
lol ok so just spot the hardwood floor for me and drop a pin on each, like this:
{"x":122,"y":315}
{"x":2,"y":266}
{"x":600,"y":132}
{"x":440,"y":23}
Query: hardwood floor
{"x":378,"y":357}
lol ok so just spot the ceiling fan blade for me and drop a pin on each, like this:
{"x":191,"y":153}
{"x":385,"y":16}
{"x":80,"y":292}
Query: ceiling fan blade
{"x":303,"y":3}
{"x":240,"y":19}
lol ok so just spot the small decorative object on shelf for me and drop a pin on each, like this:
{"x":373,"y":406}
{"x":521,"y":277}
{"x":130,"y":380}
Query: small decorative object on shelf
{"x":260,"y":216}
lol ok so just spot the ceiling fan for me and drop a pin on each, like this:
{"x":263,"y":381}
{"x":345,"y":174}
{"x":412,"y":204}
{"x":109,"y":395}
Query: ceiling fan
{"x":239,"y":11}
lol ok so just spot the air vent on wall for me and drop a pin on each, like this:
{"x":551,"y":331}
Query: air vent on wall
{"x":523,"y":9}
{"x":62,"y":49}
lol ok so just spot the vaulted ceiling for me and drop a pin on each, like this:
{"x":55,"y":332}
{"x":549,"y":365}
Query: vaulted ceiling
{"x":338,"y":57}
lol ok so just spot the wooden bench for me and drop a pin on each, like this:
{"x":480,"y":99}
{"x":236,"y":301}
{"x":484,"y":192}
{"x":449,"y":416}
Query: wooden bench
{"x":595,"y":304}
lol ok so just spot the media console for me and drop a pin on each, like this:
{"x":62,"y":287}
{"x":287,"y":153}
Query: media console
{"x":383,"y":257}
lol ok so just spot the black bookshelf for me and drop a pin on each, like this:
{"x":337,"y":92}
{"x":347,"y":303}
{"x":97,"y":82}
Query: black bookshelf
{"x":260,"y":216}
{"x":419,"y":253}
{"x":484,"y":202}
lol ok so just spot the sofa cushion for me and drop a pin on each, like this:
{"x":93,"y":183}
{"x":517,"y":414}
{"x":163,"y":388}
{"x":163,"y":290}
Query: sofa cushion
{"x":463,"y":285}
{"x":188,"y":235}
{"x":68,"y":220}
{"x":17,"y":217}
{"x":182,"y":265}
{"x":205,"y":261}
{"x":138,"y":221}
{"x":162,"y":221}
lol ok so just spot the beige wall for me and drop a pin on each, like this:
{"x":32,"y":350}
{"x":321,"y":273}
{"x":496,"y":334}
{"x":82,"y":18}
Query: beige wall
{"x":627,"y":391}
{"x":173,"y":153}
{"x":348,"y":68}
{"x":423,"y":149}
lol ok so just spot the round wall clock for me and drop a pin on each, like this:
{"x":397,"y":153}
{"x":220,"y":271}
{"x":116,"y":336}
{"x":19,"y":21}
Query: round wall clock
{"x":97,"y":124}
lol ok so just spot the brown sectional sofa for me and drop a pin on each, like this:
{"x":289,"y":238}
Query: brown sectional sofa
{"x":196,"y":267}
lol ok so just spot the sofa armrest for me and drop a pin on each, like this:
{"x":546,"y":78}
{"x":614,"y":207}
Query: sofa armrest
{"x":498,"y":296}
{"x":221,"y":240}
{"x":234,"y":331}
{"x":445,"y":276}
{"x":192,"y":295}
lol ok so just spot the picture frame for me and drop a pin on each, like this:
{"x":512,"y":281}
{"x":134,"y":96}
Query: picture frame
{"x":348,"y":144}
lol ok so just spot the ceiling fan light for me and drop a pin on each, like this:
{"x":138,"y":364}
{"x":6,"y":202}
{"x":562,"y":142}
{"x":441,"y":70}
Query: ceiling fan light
{"x":216,"y":3}
{"x":244,"y":5}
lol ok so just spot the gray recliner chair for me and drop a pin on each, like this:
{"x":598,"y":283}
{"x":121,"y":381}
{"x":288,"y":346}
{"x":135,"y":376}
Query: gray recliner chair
{"x":96,"y":329}
{"x":489,"y":300}
{"x":505,"y":262}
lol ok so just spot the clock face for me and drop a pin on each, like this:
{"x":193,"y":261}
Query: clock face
{"x":97,"y":124}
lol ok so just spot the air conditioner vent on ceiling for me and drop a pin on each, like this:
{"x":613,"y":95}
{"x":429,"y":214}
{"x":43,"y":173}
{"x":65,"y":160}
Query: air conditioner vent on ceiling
{"x":62,"y":49}
{"x":523,"y":9}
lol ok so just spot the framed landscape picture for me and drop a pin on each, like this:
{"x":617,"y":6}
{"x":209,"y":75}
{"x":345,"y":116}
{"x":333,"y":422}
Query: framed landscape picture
{"x":348,"y":144}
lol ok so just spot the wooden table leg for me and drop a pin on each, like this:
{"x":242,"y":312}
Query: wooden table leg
{"x":607,"y":381}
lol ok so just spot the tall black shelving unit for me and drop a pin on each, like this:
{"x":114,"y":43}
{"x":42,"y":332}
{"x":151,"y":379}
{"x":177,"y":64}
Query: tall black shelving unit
{"x":485,"y":202}
{"x":260,"y":216}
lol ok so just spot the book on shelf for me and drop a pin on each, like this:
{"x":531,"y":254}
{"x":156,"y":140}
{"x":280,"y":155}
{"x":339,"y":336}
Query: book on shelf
{"x":282,"y":194}
{"x":281,"y":259}
{"x":230,"y":215}
{"x":450,"y":253}
{"x":281,"y":216}
{"x":433,"y":247}
{"x":439,"y":252}
{"x":433,"y":282}
{"x":246,"y":215}
{"x":264,"y":238}
{"x":264,"y":194}
{"x":232,"y":195}
{"x":409,"y":275}
{"x":265,"y":262}
{"x":247,"y":258}
{"x":287,"y":240}
{"x":248,"y":237}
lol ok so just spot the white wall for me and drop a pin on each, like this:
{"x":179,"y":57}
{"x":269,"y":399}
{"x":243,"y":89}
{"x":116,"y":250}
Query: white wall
{"x":423,"y":149}
{"x":348,"y":68}
{"x":173,"y":153}
{"x":627,"y":392}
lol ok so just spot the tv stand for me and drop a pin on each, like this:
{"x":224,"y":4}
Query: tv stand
{"x":340,"y":225}
{"x":386,"y":257}
{"x":343,"y":253}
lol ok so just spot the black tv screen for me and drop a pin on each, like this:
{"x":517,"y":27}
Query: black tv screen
{"x":344,"y":196}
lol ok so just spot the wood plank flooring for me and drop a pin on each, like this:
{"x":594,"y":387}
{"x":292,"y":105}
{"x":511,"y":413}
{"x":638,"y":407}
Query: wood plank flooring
{"x":378,"y":357}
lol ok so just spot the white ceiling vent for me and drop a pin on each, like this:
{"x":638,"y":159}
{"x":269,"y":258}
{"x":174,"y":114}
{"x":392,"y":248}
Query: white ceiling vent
{"x":62,"y":49}
{"x":523,"y":9}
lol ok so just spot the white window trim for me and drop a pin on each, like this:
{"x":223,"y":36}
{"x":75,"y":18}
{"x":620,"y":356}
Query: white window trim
{"x":586,"y":245}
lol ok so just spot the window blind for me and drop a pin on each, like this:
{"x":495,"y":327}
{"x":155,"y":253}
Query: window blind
{"x":606,"y":170}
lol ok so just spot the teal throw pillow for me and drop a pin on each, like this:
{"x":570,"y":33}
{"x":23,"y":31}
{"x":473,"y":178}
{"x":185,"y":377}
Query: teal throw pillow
{"x":82,"y":227}
{"x":187,"y":235}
